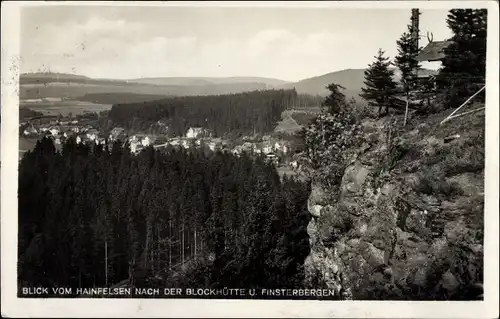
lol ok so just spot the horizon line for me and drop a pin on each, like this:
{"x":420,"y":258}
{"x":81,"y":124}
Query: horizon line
{"x":187,"y":77}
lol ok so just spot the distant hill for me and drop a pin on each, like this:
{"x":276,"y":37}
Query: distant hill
{"x":43,"y":85}
{"x":44,"y":76}
{"x":207,"y":80}
{"x":351,"y":79}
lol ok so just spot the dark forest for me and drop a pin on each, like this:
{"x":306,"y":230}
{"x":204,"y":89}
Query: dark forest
{"x":91,"y":217}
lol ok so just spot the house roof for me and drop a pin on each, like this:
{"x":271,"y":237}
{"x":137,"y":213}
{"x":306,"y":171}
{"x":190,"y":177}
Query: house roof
{"x":117,"y":130}
{"x":434,"y":51}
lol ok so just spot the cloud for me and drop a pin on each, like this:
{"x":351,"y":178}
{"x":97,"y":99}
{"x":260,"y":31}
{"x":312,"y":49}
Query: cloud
{"x":114,"y":46}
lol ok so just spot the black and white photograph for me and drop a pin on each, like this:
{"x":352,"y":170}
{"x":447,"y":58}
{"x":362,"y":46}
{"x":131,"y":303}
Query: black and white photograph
{"x":246,"y":152}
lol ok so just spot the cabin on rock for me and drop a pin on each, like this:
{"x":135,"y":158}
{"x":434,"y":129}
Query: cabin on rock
{"x":431,"y":57}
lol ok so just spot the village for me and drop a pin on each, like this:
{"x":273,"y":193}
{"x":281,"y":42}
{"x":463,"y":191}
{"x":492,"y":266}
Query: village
{"x":274,"y":149}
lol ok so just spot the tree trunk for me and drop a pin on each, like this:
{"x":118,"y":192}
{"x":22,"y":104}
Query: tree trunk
{"x":156,"y":252}
{"x":106,"y":261}
{"x":170,"y":246}
{"x":182,"y":244}
{"x":406,"y":111}
{"x":195,"y":241}
{"x":152,"y":253}
{"x":146,"y":249}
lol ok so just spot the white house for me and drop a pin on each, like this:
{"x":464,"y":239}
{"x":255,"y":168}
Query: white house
{"x":266,"y":149}
{"x":54,"y":130}
{"x":133,"y":146}
{"x":92,"y":134}
{"x":30,"y":130}
{"x":280,"y":147}
{"x":145,"y":141}
{"x":194,"y":132}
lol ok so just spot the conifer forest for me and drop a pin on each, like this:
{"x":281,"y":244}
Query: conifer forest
{"x":89,"y":217}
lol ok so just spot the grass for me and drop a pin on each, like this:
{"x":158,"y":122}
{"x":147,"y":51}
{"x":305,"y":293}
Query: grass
{"x":66,"y":107}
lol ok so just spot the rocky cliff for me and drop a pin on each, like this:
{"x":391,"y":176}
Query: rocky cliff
{"x":406,"y":221}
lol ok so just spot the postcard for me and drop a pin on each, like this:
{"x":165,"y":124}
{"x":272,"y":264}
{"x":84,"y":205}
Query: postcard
{"x":250,"y":159}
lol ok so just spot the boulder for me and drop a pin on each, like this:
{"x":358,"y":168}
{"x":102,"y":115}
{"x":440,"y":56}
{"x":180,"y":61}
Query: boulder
{"x":318,"y":195}
{"x":353,"y":179}
{"x":373,"y":256}
{"x":454,"y":230}
{"x":388,"y":189}
{"x":315,"y":210}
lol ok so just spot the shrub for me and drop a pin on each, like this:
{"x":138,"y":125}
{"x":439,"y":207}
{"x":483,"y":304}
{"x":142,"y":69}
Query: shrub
{"x":471,"y":160}
{"x":433,"y":183}
{"x":330,"y":140}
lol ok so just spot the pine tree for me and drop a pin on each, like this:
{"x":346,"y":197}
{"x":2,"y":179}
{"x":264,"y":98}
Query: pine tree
{"x":407,"y":63}
{"x":336,"y":101}
{"x":379,"y":84}
{"x":464,"y":65}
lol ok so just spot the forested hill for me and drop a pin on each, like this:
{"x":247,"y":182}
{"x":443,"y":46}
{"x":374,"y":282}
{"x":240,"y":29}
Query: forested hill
{"x":248,"y":112}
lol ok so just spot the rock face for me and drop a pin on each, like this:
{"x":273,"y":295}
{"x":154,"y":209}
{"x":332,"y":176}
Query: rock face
{"x":406,"y":222}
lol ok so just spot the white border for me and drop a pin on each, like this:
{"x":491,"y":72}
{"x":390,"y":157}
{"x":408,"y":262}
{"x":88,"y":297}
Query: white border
{"x":14,"y":307}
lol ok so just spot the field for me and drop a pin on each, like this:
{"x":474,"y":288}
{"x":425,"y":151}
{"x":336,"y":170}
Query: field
{"x":66,"y":107}
{"x":293,"y":120}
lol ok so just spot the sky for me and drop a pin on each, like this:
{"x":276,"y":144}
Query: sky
{"x":284,"y":43}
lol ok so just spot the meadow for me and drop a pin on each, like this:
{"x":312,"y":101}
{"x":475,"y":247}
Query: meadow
{"x":66,"y":107}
